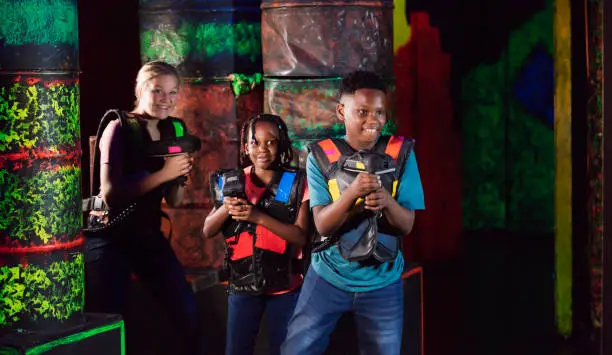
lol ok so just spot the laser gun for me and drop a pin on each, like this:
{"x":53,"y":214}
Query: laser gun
{"x":370,"y":163}
{"x":234,"y":184}
{"x":173,"y":140}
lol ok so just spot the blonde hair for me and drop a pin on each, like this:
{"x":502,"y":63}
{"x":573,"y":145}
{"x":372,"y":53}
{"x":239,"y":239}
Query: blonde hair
{"x":152,"y":70}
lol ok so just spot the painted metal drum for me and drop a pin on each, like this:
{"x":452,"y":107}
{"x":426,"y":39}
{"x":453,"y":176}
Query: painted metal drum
{"x":41,"y":258}
{"x":214,"y":113}
{"x":202,"y":38}
{"x":310,"y":38}
{"x":308,"y":106}
{"x":39,"y":35}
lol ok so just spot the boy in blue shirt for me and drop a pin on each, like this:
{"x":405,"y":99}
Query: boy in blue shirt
{"x":371,"y":289}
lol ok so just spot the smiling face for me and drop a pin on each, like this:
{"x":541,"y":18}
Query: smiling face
{"x":157,"y":96}
{"x":364,"y":114}
{"x":263,"y":145}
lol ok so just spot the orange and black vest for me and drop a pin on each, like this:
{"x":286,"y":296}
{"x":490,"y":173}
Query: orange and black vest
{"x":259,"y":261}
{"x":366,"y":235}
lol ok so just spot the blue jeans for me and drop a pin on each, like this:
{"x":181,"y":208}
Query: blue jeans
{"x":378,"y":317}
{"x":244,"y":316}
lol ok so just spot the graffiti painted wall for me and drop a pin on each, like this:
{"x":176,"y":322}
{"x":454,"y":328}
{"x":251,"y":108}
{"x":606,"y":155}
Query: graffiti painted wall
{"x":507,"y":126}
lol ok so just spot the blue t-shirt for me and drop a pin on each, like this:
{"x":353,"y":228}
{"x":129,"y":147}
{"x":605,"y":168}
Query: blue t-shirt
{"x":350,"y":275}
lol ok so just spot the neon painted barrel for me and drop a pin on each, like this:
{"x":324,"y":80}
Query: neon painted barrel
{"x":202,"y":38}
{"x":308,"y":106}
{"x":41,"y":256}
{"x":214,"y":113}
{"x":326,"y":38}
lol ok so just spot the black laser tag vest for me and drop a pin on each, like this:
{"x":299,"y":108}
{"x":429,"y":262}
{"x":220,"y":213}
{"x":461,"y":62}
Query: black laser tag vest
{"x":140,"y":154}
{"x":366,"y":235}
{"x":258,"y":261}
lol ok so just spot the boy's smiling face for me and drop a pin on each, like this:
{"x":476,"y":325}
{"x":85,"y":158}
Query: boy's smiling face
{"x":364,"y":114}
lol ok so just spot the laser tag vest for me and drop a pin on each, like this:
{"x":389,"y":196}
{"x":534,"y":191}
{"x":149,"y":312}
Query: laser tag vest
{"x":259,"y":261}
{"x":366,"y":235}
{"x":140,"y":154}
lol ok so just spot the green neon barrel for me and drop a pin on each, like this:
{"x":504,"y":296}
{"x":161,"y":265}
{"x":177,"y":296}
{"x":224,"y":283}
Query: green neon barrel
{"x":202,"y":38}
{"x":41,"y":256}
{"x":326,"y":38}
{"x":308,"y":106}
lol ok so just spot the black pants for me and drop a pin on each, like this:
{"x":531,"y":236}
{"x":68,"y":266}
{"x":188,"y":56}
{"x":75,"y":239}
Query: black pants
{"x":109,"y":264}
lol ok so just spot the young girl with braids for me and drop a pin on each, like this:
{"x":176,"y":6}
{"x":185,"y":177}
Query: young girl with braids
{"x":264,"y":233}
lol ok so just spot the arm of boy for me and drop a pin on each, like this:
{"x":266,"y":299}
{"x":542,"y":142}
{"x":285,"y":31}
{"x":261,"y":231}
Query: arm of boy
{"x":400,"y":212}
{"x":332,"y":216}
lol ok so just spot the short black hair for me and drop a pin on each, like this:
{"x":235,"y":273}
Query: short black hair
{"x":285,"y":152}
{"x":361,"y":79}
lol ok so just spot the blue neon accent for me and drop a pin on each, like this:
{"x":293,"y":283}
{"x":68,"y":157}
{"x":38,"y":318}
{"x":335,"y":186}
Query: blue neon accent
{"x":284,"y":187}
{"x":220,"y":183}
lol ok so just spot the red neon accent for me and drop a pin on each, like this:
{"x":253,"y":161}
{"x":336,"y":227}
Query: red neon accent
{"x":411,"y":272}
{"x":174,"y":149}
{"x":393,"y":146}
{"x":407,"y":274}
{"x":42,"y":248}
{"x":330,"y":149}
{"x":16,"y":161}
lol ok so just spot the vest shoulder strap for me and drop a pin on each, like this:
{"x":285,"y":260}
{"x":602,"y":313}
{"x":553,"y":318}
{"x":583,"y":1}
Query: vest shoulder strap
{"x":290,"y":188}
{"x":397,"y":147}
{"x":132,"y":137}
{"x":327,"y":153}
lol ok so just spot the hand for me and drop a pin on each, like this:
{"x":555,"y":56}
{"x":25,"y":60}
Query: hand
{"x":177,"y":165}
{"x":240,"y":210}
{"x":364,"y":184}
{"x":377,"y":200}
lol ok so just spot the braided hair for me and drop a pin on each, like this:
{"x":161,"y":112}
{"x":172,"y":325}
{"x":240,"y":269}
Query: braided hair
{"x":285,"y":153}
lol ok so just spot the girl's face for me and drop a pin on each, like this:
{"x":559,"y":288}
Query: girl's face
{"x":263,"y":145}
{"x":158,"y":97}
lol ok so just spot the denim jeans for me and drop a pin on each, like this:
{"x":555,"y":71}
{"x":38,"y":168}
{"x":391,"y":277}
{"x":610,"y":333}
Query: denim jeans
{"x":244,"y":316}
{"x":108,"y":267}
{"x":378,"y":317}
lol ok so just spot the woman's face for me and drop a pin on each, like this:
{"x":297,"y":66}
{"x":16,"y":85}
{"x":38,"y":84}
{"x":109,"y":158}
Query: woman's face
{"x":158,"y":96}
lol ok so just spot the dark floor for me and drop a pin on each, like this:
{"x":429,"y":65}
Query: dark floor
{"x":498,"y":300}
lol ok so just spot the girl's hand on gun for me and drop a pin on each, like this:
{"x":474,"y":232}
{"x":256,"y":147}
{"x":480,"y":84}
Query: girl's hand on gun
{"x":177,"y":165}
{"x":241,"y":210}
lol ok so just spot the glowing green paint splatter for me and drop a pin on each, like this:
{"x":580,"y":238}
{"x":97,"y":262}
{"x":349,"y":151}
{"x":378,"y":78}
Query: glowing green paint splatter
{"x":49,"y":292}
{"x":507,"y":151}
{"x":39,"y":22}
{"x":39,"y":207}
{"x":201,"y":42}
{"x":37,"y":115}
{"x":242,"y":83}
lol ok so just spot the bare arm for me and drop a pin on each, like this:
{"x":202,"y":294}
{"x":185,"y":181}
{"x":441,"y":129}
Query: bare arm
{"x":214,"y":221}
